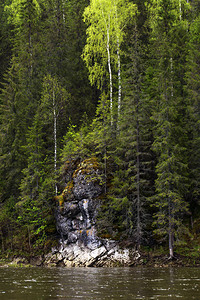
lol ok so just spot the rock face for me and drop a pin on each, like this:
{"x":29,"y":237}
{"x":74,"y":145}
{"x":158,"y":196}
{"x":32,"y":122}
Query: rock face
{"x":76,"y":217}
{"x":77,"y":214}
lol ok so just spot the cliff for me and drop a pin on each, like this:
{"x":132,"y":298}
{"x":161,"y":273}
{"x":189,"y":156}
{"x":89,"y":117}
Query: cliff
{"x":76,"y":213}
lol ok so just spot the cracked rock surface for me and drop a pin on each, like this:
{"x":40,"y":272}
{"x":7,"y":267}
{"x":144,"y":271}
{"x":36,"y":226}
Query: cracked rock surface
{"x":79,"y":244}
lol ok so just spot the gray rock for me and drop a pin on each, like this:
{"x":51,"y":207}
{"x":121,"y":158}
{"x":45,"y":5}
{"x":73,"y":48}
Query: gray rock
{"x":76,"y":219}
{"x":72,"y":238}
{"x":98,"y":252}
{"x":85,"y":186}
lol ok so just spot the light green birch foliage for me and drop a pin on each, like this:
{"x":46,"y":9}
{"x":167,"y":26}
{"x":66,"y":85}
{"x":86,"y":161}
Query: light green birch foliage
{"x":106,"y":21}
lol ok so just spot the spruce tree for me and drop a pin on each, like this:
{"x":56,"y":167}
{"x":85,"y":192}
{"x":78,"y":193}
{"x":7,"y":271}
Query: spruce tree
{"x":19,"y":94}
{"x":192,"y":89}
{"x":132,"y":179}
{"x":5,"y":41}
{"x":170,"y":112}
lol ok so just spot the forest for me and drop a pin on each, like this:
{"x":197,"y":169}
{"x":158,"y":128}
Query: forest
{"x":114,"y":80}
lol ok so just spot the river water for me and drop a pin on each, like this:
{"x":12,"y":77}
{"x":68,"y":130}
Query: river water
{"x":99,"y":283}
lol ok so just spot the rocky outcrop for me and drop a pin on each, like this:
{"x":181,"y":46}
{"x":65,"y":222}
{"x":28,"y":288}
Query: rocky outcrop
{"x":78,"y":255}
{"x":76,"y":218}
{"x":76,"y":214}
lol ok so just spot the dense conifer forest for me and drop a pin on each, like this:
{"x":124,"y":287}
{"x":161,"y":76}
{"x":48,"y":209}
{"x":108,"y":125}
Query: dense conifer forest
{"x":118,"y":80}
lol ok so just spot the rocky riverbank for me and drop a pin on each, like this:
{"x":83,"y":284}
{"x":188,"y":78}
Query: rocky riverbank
{"x":80,"y":257}
{"x":108,"y":254}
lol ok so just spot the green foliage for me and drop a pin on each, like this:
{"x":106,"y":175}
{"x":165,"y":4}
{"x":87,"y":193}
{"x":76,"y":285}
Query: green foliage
{"x":106,"y":25}
{"x":133,"y":175}
{"x":170,"y":113}
{"x":5,"y":41}
{"x":192,"y":88}
{"x":15,"y":10}
{"x":141,"y":122}
{"x":31,"y":217}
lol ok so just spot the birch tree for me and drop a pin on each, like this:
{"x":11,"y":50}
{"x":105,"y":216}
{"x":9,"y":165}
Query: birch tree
{"x":44,"y":139}
{"x":106,"y":21}
{"x":53,"y":103}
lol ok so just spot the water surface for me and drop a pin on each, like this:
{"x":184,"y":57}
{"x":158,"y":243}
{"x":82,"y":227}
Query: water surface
{"x":99,"y":283}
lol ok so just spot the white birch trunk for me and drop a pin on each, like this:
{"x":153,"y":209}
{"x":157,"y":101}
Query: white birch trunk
{"x":118,"y":66}
{"x":30,"y":51}
{"x":109,"y":64}
{"x":55,"y":139}
{"x":138,"y":237}
{"x":63,"y":10}
{"x":31,"y":56}
{"x":171,"y":239}
{"x":110,"y":75}
{"x":172,"y":86}
{"x":119,"y":79}
{"x":180,"y":10}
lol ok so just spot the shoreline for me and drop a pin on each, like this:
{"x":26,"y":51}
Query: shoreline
{"x":157,"y":261}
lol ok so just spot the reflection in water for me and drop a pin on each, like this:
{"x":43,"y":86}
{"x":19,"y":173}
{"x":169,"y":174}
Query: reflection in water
{"x":99,"y":283}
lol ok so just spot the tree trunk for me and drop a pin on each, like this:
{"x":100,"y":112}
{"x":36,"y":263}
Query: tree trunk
{"x":109,"y":64}
{"x":29,"y":238}
{"x":118,"y":65}
{"x":2,"y":242}
{"x":180,"y":10}
{"x":171,"y":69}
{"x":138,"y":180}
{"x":30,"y":50}
{"x":119,"y":80}
{"x":171,"y":234}
{"x":171,"y":247}
{"x":110,"y":75}
{"x":63,"y":10}
{"x":55,"y":139}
